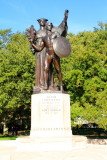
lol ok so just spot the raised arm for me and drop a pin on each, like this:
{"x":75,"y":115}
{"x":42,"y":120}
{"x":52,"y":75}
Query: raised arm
{"x":65,"y":16}
{"x":62,"y":28}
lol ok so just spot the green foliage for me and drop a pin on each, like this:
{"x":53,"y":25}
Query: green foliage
{"x":16,"y":78}
{"x":4,"y":37}
{"x":85,"y":77}
{"x":102,"y":26}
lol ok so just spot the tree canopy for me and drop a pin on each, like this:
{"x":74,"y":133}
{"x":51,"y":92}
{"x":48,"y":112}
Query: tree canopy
{"x":16,"y":77}
{"x":85,"y":77}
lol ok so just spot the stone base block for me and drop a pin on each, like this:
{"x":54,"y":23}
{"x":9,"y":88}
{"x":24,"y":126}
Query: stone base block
{"x":50,"y":115}
{"x":44,"y":144}
{"x":51,"y":144}
{"x":50,"y":124}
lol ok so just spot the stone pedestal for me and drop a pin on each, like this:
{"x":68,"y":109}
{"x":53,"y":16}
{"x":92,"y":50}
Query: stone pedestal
{"x":50,"y":123}
{"x":50,"y":115}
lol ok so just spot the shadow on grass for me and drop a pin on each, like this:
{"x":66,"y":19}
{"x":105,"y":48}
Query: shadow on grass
{"x":90,"y":133}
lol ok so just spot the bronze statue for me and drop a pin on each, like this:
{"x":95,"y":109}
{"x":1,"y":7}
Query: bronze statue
{"x":40,"y":54}
{"x":63,"y":27}
{"x":50,"y":44}
{"x":51,"y":57}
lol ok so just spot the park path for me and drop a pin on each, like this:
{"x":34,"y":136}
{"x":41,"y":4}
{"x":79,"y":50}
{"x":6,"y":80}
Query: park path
{"x":91,"y":152}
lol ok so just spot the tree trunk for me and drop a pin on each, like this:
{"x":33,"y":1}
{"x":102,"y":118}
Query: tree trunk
{"x":5,"y":129}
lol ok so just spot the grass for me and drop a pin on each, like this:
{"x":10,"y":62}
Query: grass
{"x":8,"y":137}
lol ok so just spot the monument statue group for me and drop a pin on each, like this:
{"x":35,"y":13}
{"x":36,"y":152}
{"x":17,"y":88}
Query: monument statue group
{"x":50,"y":106}
{"x":49,"y":44}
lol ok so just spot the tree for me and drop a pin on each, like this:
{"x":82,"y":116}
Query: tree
{"x":5,"y":36}
{"x":16,"y":78}
{"x":85,"y":77}
{"x":102,"y":26}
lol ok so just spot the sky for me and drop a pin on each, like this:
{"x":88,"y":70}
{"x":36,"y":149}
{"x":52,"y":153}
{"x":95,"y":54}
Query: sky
{"x":84,"y":15}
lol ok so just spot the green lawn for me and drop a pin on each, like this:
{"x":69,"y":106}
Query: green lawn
{"x":8,"y":137}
